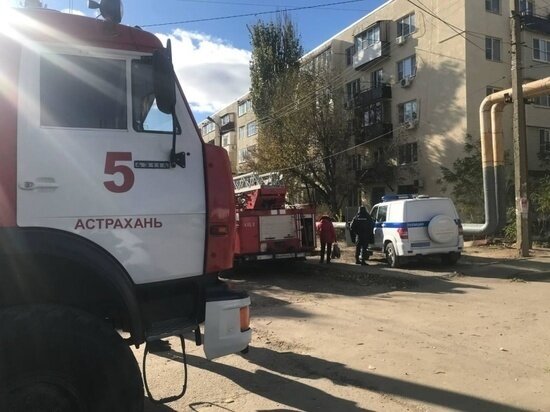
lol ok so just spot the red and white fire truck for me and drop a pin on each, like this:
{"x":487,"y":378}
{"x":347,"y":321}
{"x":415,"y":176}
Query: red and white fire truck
{"x":115,"y":217}
{"x":267,"y":227}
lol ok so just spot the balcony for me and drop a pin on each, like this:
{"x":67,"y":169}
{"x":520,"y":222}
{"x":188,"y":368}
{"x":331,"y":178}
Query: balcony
{"x":371,"y":132}
{"x":227,"y":123}
{"x":539,"y":24}
{"x":373,"y":94}
{"x":363,"y":58}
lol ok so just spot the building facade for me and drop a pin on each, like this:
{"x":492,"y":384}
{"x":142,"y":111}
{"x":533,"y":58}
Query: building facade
{"x":413,"y":76}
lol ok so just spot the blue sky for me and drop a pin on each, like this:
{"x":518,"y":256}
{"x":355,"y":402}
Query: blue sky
{"x":211,"y":57}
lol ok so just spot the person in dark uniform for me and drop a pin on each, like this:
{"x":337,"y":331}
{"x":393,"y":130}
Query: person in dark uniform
{"x":362,"y":233}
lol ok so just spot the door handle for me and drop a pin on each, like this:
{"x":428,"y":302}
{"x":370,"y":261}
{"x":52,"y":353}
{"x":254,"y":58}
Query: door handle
{"x":39,"y":183}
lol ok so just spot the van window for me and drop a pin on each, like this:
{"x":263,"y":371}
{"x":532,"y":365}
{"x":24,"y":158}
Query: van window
{"x":382,"y":213}
{"x":82,"y":92}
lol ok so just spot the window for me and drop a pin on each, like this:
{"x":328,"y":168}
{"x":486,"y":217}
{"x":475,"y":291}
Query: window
{"x":352,"y":89}
{"x":491,"y":89}
{"x":243,"y":155}
{"x":226,"y":119}
{"x":406,"y":68}
{"x":245,"y":107}
{"x":405,"y":26}
{"x":251,"y":129}
{"x":379,"y":155}
{"x":376,"y":78}
{"x":322,"y":61}
{"x":545,"y":141}
{"x":542,"y":101}
{"x":208,"y":128}
{"x":408,"y":153}
{"x":146,"y":116}
{"x":408,"y":111}
{"x":83,"y":92}
{"x":355,"y":162}
{"x":373,"y":114}
{"x":350,"y":51}
{"x":382,"y":213}
{"x":492,"y":48}
{"x":367,"y":38}
{"x":492,"y":6}
{"x":226,"y":139}
{"x":541,"y":50}
{"x":526,"y":7}
{"x":242,"y":132}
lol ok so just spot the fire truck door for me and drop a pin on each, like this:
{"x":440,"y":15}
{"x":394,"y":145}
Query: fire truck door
{"x":92,"y":159}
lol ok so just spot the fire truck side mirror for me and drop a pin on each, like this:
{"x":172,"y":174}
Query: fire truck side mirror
{"x":164,"y":80}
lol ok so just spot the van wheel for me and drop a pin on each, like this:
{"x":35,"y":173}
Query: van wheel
{"x":391,"y":256}
{"x":450,"y":258}
{"x":62,"y":359}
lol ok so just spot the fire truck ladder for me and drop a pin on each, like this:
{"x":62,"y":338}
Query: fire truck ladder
{"x":251,"y":181}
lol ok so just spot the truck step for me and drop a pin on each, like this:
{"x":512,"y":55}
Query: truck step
{"x":170,"y":327}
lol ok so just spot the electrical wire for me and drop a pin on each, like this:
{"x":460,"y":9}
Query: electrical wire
{"x":262,"y":5}
{"x":251,"y":14}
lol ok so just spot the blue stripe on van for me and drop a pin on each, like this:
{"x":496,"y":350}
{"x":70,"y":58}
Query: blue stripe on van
{"x":404,"y":225}
{"x":409,"y":225}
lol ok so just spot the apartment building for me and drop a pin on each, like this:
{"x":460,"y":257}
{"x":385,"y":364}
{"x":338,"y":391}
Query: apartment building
{"x":235,"y":128}
{"x":413,"y":75}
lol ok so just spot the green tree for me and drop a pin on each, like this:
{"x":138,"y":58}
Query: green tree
{"x":303,"y":128}
{"x":465,"y":179}
{"x":540,"y":198}
{"x":276,"y":52}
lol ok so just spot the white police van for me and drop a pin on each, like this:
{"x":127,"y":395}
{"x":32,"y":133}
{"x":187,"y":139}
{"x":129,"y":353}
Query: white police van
{"x":408,"y":226}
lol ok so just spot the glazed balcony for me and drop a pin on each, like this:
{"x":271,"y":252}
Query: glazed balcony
{"x":534,"y":23}
{"x":374,"y":94}
{"x":381,"y":130}
{"x":227,"y":123}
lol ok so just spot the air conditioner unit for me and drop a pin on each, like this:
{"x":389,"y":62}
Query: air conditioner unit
{"x":400,"y":40}
{"x":406,"y":81}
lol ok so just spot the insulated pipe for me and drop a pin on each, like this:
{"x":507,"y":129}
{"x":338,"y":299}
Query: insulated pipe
{"x":487,"y":165}
{"x":492,"y":156}
{"x":498,"y":162}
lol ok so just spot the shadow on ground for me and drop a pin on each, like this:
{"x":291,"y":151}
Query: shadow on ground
{"x":265,"y":279}
{"x":268,"y":382}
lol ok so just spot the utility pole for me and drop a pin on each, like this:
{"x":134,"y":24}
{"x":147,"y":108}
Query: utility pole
{"x":520,"y":142}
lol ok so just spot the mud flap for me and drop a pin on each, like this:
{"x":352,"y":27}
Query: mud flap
{"x":226,"y":328}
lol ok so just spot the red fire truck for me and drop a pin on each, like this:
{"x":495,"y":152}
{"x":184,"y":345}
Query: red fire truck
{"x":115,"y":217}
{"x":267,"y":227}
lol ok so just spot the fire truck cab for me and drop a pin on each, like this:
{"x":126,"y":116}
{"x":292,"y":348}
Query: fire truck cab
{"x":115,"y":217}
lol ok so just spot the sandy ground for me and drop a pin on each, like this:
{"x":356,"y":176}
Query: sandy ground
{"x":342,"y":337}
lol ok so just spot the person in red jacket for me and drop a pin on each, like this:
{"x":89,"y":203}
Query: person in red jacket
{"x":327,"y":235}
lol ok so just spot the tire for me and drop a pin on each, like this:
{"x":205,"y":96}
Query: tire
{"x":391,"y":256}
{"x":443,"y":229}
{"x":63,"y":359}
{"x":450,"y":258}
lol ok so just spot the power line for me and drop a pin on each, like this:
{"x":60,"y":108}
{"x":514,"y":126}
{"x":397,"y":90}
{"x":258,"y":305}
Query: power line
{"x":251,"y":14}
{"x":261,"y":5}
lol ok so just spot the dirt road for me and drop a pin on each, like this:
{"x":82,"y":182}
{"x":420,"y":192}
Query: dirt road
{"x":342,"y":337}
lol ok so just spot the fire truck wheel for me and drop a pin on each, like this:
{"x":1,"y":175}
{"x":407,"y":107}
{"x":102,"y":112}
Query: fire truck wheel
{"x":55,"y":358}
